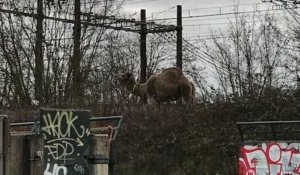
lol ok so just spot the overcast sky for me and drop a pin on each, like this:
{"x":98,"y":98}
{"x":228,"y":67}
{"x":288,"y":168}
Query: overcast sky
{"x":159,"y":5}
{"x":200,"y":17}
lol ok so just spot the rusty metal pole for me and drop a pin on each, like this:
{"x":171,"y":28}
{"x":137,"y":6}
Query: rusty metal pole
{"x":76,"y":82}
{"x":1,"y":145}
{"x":179,"y":37}
{"x":143,"y":50}
{"x":3,"y":142}
{"x":143,"y":47}
{"x":39,"y":61}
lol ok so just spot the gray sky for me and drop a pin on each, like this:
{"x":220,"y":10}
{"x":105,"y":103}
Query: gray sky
{"x":194,"y":27}
{"x":200,"y":17}
{"x":158,"y":5}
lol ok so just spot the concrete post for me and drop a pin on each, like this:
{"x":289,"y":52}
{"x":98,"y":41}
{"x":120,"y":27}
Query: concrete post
{"x":99,"y":154}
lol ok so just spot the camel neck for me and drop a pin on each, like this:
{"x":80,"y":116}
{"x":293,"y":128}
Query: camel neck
{"x":134,"y":88}
{"x":131,"y":87}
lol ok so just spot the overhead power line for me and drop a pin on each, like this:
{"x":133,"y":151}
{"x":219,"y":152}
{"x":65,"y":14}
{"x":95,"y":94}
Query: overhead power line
{"x":138,"y":2}
{"x":218,"y":14}
{"x":189,"y":48}
{"x":288,"y":5}
{"x":219,"y":8}
{"x":108,"y":22}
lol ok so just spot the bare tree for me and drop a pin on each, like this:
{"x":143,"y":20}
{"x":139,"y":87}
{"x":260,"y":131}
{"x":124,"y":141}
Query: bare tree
{"x":17,"y":66}
{"x":247,"y":61}
{"x":17,"y":36}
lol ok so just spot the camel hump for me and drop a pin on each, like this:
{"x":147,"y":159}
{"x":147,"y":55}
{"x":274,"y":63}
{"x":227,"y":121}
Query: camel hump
{"x":172,"y":70}
{"x":171,"y":74}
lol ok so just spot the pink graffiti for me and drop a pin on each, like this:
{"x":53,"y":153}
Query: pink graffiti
{"x":275,"y":158}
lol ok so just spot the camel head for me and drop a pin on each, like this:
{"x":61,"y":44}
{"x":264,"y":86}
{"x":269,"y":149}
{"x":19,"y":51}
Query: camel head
{"x":127,"y":78}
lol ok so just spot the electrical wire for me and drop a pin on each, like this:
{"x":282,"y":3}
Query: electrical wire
{"x":138,"y":2}
{"x":217,"y":14}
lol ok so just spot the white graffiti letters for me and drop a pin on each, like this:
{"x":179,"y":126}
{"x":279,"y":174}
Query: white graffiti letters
{"x":65,"y":136}
{"x":57,"y":170}
{"x":53,"y":125}
{"x":61,"y":130}
{"x":60,"y":150}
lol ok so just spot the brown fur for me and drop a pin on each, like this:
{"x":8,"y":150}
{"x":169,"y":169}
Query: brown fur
{"x":167,"y":86}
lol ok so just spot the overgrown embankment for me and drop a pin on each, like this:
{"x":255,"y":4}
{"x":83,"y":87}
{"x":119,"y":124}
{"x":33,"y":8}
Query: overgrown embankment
{"x":200,"y":140}
{"x":186,"y":141}
{"x":177,"y":140}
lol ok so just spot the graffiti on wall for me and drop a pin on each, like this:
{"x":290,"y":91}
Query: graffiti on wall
{"x":66,"y":141}
{"x":274,"y":158}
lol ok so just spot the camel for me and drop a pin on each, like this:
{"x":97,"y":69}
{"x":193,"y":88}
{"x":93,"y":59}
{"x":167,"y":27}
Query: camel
{"x":170,"y":85}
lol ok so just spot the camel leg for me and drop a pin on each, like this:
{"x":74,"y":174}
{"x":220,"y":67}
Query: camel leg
{"x":145,"y":99}
{"x":157,"y":106}
{"x":186,"y":92}
{"x":156,"y":102}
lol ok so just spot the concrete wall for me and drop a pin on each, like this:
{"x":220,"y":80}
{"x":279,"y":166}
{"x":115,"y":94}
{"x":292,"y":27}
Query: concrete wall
{"x":25,"y":154}
{"x":17,"y":164}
